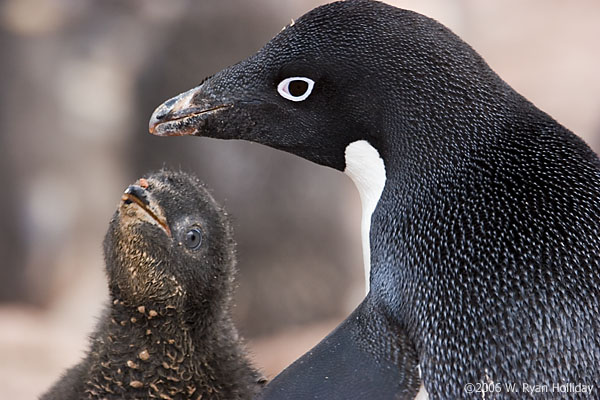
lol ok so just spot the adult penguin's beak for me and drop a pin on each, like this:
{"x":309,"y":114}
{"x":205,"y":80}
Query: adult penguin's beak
{"x":185,"y":114}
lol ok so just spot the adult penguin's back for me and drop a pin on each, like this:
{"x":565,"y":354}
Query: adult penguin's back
{"x":482,"y":213}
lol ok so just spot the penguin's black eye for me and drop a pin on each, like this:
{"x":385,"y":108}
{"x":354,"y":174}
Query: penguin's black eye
{"x":193,"y":238}
{"x":296,"y":88}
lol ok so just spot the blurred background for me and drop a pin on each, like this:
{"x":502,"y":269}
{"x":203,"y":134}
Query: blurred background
{"x":79,"y":80}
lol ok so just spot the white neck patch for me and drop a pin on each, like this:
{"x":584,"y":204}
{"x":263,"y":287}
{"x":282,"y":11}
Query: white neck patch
{"x":366,"y":169}
{"x":422,"y":394}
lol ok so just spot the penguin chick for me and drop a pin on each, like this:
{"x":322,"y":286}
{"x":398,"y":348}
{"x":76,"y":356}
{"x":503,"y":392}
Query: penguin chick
{"x":167,"y":332}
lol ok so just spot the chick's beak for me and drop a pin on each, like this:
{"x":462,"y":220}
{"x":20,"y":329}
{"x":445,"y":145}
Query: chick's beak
{"x":142,"y":206}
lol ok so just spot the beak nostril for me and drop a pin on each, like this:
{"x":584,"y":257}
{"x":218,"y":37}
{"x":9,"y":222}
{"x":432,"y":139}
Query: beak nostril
{"x":166,"y":108}
{"x":161,"y":114}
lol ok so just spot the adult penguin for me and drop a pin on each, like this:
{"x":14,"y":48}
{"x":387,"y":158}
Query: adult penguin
{"x":485,"y":225}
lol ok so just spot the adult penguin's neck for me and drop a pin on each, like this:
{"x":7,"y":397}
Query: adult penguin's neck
{"x":424,"y":117}
{"x":456,"y":192}
{"x":401,"y":167}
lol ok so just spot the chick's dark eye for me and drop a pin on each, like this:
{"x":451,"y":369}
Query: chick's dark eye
{"x":193,"y":238}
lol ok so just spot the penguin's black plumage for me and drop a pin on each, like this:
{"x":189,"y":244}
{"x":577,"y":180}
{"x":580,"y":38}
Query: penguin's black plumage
{"x":481,"y":212}
{"x":167,"y":332}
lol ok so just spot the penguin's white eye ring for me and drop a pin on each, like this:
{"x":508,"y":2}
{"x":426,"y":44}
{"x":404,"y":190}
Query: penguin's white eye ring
{"x":295,"y":88}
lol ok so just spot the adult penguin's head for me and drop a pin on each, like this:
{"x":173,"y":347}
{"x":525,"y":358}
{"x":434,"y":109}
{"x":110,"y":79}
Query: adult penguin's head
{"x":345,"y":72}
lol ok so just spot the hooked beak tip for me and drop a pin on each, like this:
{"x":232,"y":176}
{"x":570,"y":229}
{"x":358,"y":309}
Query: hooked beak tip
{"x":161,"y":114}
{"x":154,"y":122}
{"x":183,"y":115}
{"x":173,"y":109}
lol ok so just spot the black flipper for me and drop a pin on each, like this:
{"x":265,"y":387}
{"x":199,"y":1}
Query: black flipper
{"x":365,"y":357}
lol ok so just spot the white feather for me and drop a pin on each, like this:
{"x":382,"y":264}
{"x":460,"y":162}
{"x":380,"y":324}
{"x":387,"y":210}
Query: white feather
{"x":422,"y":394}
{"x":367,"y":170}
